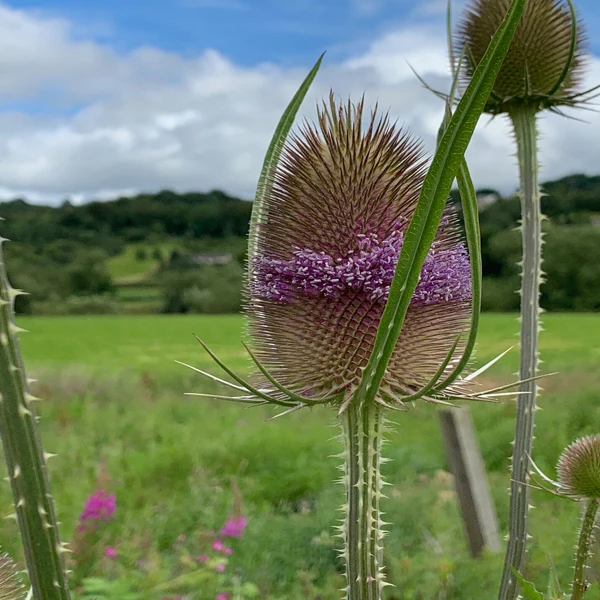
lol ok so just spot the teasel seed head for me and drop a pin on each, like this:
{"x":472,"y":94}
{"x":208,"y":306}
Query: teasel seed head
{"x":544,"y":65}
{"x":579,"y":469}
{"x":328,"y":243}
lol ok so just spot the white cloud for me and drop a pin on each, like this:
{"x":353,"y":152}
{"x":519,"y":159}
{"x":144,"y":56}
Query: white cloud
{"x":152,"y":119}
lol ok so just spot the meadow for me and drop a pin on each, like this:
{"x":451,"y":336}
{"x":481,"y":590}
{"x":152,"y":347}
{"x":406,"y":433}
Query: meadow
{"x":114,"y":410}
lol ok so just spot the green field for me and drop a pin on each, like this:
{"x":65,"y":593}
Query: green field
{"x":116,"y":414}
{"x":569,"y":341}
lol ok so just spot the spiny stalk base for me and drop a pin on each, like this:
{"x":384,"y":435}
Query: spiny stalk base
{"x":362,"y":530}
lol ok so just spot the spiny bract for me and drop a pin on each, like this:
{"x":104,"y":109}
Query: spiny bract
{"x":327,"y":246}
{"x":541,"y":69}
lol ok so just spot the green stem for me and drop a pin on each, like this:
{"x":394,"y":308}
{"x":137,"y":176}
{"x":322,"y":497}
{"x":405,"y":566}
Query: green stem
{"x":524,"y":124}
{"x":26,"y":463}
{"x":363,"y":435}
{"x":583,"y":549}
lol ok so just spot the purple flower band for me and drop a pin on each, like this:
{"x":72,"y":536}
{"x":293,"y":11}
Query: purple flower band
{"x":445,"y":276}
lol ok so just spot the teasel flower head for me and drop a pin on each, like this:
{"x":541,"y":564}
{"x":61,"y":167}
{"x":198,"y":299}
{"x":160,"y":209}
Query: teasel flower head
{"x":327,"y":247}
{"x":579,"y":469}
{"x":544,"y":65}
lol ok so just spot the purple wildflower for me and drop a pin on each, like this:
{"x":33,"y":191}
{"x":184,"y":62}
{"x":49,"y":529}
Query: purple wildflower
{"x":99,"y":506}
{"x":223,"y":596}
{"x":234,"y":527}
{"x":220,"y":568}
{"x":327,"y":247}
{"x":202,"y":558}
{"x":110,"y":552}
{"x":218,"y":545}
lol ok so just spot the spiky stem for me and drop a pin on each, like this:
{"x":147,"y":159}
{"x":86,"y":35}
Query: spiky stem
{"x":363,"y":426}
{"x":586,"y":538}
{"x":524,"y":124}
{"x":26,"y":462}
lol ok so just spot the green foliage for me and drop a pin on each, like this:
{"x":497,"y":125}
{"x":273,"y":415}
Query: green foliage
{"x":204,"y":289}
{"x":140,"y":254}
{"x":108,"y":224}
{"x":79,"y":305}
{"x":89,"y":277}
{"x":527,"y":588}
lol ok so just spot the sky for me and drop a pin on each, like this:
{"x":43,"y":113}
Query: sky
{"x":106,"y":98}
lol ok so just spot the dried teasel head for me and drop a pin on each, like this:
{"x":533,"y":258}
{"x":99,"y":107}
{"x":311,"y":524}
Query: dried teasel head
{"x":544,"y":64}
{"x":579,"y":469}
{"x":327,"y":247}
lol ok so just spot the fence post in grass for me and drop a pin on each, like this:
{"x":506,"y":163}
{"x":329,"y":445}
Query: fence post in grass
{"x":470,"y":480}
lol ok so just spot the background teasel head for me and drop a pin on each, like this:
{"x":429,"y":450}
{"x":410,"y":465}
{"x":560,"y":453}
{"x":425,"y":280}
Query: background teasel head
{"x":579,"y":469}
{"x":544,"y":64}
{"x":327,"y":246}
{"x":11,"y":586}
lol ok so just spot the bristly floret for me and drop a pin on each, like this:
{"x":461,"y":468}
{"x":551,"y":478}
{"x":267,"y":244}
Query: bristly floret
{"x":544,"y":64}
{"x":328,"y":244}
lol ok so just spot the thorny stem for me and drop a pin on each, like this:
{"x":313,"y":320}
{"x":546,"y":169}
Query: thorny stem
{"x":583,"y":549}
{"x":26,"y":462}
{"x":524,"y":124}
{"x":363,"y":425}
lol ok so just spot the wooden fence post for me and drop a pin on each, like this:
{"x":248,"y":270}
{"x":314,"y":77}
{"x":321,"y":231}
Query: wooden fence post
{"x":466,"y":464}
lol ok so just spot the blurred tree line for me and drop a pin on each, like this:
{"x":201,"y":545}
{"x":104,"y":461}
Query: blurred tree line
{"x":61,"y":255}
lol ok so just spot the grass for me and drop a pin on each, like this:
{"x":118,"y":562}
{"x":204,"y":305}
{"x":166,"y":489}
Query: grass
{"x":116,"y":415}
{"x":569,"y":341}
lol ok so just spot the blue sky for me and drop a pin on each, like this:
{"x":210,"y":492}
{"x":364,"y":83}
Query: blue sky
{"x":106,"y":97}
{"x":289,"y":32}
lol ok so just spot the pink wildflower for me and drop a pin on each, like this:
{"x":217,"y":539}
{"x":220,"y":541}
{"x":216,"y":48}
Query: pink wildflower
{"x":218,"y":546}
{"x":110,"y":552}
{"x":202,"y":558}
{"x":99,"y":505}
{"x":228,"y":551}
{"x":223,"y":596}
{"x":220,"y":568}
{"x":234,"y":527}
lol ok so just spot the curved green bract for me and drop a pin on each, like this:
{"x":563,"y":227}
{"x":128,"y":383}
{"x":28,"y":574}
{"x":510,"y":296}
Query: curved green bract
{"x":265,"y":181}
{"x":572,"y":47}
{"x":468,"y":199}
{"x":436,"y":188}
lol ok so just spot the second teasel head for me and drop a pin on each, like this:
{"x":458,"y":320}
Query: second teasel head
{"x":544,"y":65}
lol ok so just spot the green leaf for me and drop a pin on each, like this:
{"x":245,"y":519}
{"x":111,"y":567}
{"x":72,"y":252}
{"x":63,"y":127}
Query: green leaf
{"x":528,"y":590}
{"x":434,"y":193}
{"x":265,"y":181}
{"x":554,"y":591}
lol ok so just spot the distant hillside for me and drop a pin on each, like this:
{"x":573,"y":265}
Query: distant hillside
{"x":134,"y":219}
{"x":167,"y":214}
{"x":164,"y":252}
